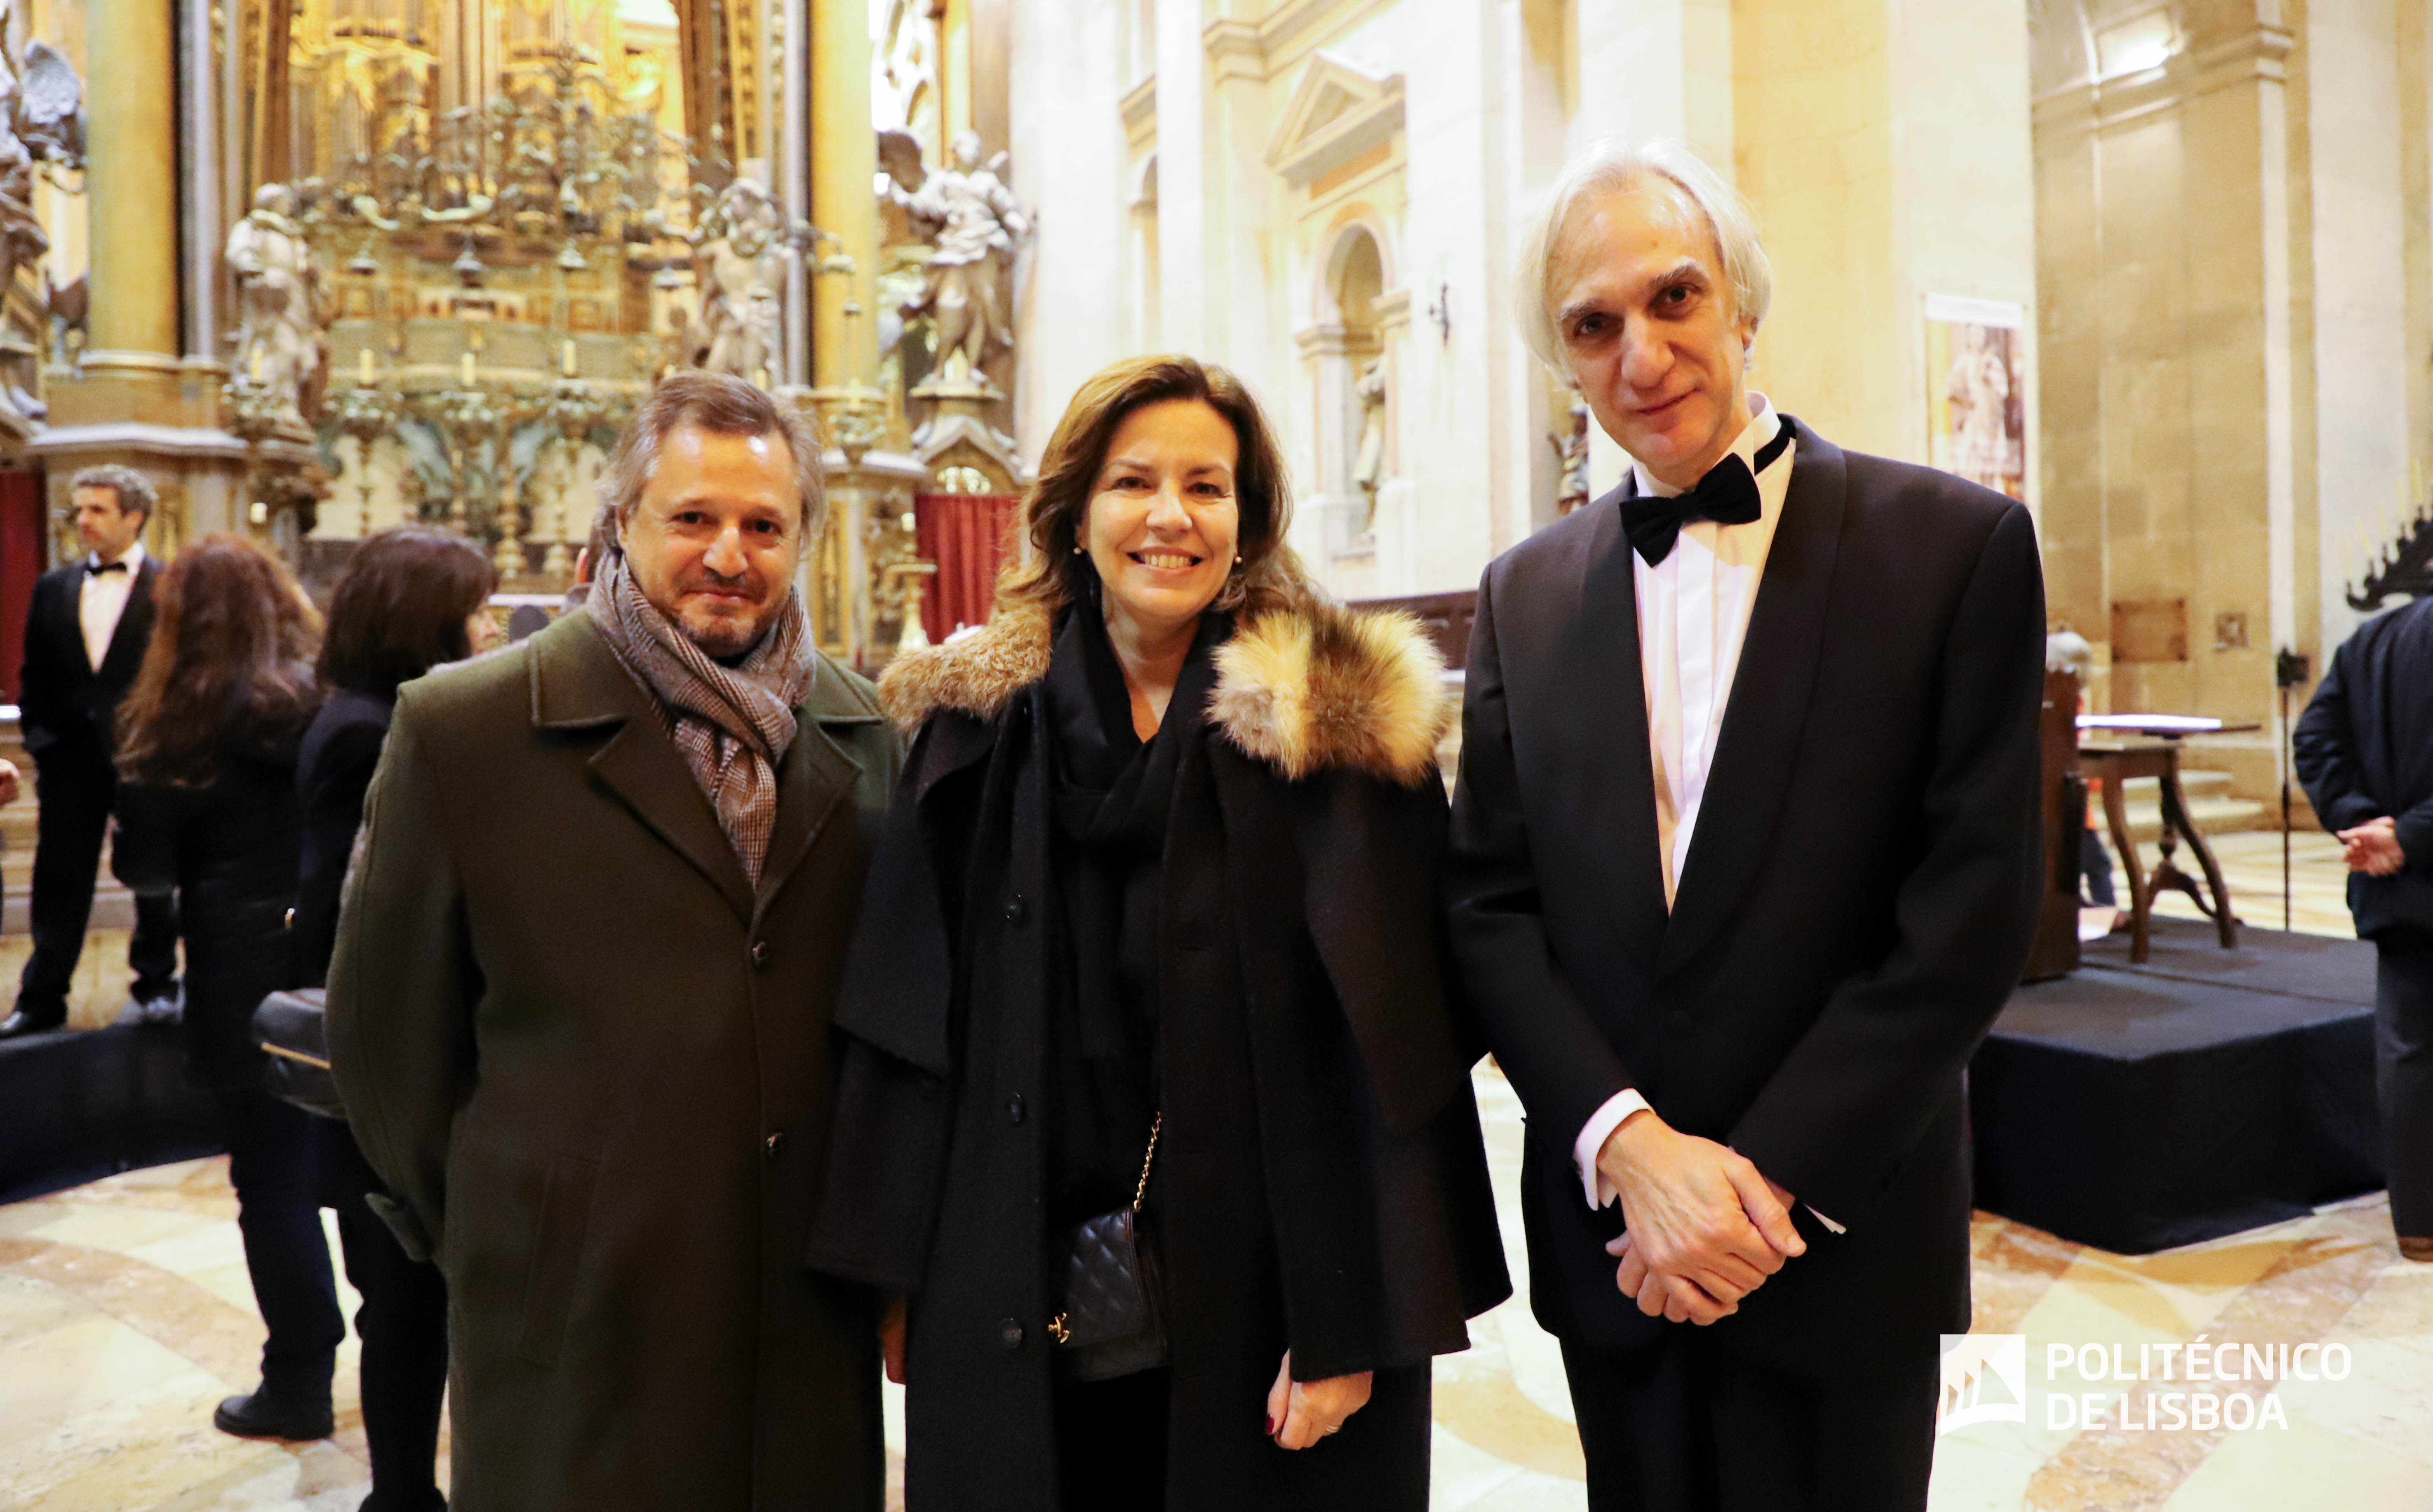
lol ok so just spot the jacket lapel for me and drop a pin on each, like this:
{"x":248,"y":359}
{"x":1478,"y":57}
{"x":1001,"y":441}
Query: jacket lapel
{"x":577,"y":683}
{"x":1602,"y":643}
{"x":125,"y":654}
{"x":814,"y":775}
{"x":1769,"y":702}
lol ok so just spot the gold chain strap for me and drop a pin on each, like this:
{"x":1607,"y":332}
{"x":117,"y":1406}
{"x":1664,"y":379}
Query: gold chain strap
{"x":1147,"y":1160}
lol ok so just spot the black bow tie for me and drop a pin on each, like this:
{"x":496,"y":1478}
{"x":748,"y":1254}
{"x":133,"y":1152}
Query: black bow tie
{"x":1727,"y":495}
{"x":97,"y":569}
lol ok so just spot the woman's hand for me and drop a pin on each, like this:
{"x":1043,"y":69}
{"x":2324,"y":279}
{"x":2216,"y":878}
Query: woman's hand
{"x":1300,"y":1413}
{"x":891,"y":1339}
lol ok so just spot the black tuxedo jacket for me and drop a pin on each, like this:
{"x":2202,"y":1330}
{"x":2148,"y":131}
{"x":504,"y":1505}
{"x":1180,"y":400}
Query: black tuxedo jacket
{"x":2364,"y":749}
{"x":1856,"y":905}
{"x":63,"y":701}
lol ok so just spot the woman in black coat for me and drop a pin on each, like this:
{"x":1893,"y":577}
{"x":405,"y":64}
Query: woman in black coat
{"x":410,"y":598}
{"x":1160,"y":894}
{"x":206,"y":808}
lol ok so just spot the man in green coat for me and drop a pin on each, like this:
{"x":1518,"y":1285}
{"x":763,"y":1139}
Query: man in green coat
{"x":580,"y":1004}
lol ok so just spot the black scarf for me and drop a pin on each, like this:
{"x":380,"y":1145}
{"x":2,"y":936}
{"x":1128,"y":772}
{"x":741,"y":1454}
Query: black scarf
{"x":1110,"y":797}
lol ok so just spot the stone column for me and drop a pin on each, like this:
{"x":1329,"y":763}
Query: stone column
{"x":135,"y":400}
{"x":844,"y":162}
{"x":131,"y":363}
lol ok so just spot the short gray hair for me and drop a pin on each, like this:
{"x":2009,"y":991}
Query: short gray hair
{"x":722,"y":404}
{"x":133,"y":489}
{"x":1607,"y":166}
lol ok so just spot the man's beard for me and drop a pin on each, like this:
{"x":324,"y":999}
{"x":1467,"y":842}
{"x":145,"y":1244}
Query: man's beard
{"x":726,"y":639}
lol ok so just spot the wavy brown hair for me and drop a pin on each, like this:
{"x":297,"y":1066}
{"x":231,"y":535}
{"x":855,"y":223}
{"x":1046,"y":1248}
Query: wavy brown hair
{"x":231,"y":659}
{"x":1270,"y":575}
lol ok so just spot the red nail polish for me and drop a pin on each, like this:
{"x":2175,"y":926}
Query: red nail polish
{"x":1271,"y":1425}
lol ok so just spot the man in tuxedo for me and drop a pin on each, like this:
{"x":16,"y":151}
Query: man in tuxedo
{"x":1743,"y":864}
{"x":85,"y":634}
{"x":2364,"y":750}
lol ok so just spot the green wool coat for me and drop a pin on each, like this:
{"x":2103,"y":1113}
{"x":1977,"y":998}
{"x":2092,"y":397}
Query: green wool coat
{"x":592,"y":1063}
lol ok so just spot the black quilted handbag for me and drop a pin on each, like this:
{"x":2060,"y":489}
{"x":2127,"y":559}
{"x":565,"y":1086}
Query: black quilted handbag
{"x":1112,"y":1321}
{"x":287,"y":1027}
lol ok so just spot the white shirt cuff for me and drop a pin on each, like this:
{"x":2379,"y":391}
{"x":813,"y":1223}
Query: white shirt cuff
{"x":1594,"y":1133}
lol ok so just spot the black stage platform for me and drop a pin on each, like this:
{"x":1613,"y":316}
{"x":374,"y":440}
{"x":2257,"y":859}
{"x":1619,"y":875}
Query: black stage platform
{"x":2137,"y":1107}
{"x":79,"y":1105}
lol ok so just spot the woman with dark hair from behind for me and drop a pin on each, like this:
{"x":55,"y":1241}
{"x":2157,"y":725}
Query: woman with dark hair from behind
{"x":207,"y":743}
{"x":410,"y":598}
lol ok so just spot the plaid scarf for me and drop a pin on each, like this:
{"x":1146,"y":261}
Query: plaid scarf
{"x":732,"y":724}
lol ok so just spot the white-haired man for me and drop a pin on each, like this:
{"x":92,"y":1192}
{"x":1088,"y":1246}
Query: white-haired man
{"x":1743,"y":863}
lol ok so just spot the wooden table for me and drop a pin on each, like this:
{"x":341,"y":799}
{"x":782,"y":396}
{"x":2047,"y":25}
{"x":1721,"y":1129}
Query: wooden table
{"x":2114,"y":757}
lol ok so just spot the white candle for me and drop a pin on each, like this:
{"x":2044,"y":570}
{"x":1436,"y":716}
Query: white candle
{"x":364,"y":373}
{"x":566,"y":359}
{"x":465,"y":369}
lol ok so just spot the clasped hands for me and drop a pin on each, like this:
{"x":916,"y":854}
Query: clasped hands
{"x":2373,"y":847}
{"x":1703,"y":1227}
{"x":1300,"y":1413}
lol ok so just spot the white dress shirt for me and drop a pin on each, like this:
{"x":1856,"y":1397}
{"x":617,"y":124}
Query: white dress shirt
{"x":103,"y":599}
{"x":1694,"y":614}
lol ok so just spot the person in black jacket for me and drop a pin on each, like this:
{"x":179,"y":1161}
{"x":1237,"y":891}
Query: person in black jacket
{"x":208,"y":740}
{"x":410,"y":598}
{"x":2364,"y":750}
{"x":1156,"y":914}
{"x":85,"y":633}
{"x":1744,"y":863}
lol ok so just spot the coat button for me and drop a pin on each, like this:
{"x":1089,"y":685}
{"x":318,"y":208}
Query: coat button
{"x":775,"y":1143}
{"x":1677,"y":1021}
{"x":1013,"y":1109}
{"x":760,"y":955}
{"x":1014,"y":910}
{"x":1008,"y":1333}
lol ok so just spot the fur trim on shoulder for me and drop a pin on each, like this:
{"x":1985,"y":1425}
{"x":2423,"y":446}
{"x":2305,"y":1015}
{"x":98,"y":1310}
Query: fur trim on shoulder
{"x":977,"y":674}
{"x":1305,"y":690}
{"x":1328,"y":686}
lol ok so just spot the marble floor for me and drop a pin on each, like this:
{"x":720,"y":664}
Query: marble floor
{"x":125,"y":1314}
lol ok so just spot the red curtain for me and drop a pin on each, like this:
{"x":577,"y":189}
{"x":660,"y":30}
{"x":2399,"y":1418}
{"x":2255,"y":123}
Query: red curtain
{"x":21,"y":562}
{"x":967,"y":536}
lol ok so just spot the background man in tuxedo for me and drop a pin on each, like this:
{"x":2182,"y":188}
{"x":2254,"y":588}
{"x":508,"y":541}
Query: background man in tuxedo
{"x":1744,"y":865}
{"x":2364,"y":750}
{"x":85,"y":634}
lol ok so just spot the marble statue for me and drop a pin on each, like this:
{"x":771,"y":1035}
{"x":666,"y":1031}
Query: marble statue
{"x":40,"y":100}
{"x":279,"y":344}
{"x":1368,"y":464}
{"x":976,"y":227}
{"x":741,"y":270}
{"x":1570,"y":446}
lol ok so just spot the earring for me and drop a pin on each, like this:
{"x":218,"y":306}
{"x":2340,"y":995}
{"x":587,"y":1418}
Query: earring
{"x":1081,"y":550}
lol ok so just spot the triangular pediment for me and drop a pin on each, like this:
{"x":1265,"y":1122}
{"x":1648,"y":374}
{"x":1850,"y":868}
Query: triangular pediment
{"x":1339,"y":109}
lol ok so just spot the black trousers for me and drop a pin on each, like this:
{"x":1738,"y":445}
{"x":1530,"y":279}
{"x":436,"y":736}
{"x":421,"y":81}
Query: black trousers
{"x":1684,"y":1426}
{"x":77,"y":787}
{"x":2403,"y":1073}
{"x":274,"y":1162}
{"x":403,"y":1326}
